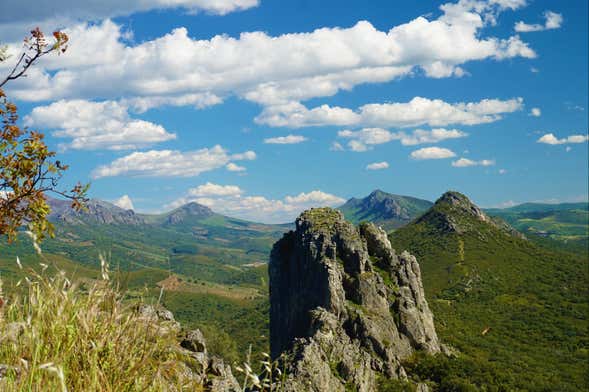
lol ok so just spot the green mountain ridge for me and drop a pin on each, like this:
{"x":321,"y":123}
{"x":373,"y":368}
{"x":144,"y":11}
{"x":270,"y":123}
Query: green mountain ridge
{"x":563,"y":225}
{"x":519,"y":311}
{"x":540,"y":207}
{"x":386,"y":209}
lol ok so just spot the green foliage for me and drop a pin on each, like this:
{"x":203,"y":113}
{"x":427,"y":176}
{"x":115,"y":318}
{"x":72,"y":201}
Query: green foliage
{"x":321,"y":218}
{"x":567,"y":223}
{"x":225,"y":255}
{"x":59,"y":336}
{"x":531,"y":301}
{"x":231,"y":256}
{"x":391,"y":385}
{"x":540,"y":207}
{"x":188,"y":249}
{"x":28,"y":170}
{"x":461,"y":373}
{"x":238,"y":324}
{"x":220,"y":343}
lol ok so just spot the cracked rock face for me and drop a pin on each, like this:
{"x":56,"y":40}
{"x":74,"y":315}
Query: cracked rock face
{"x":344,"y":307}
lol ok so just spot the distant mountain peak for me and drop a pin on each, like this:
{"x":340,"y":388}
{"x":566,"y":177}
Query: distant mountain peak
{"x":96,"y":211}
{"x":385,"y":209}
{"x":454,"y":212}
{"x":453,"y":197}
{"x":462,"y":203}
{"x":196,"y":208}
{"x":187,"y":211}
{"x":378,"y":193}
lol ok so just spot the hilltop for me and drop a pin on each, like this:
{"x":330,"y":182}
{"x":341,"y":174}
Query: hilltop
{"x":385,"y":209}
{"x":500,"y":298}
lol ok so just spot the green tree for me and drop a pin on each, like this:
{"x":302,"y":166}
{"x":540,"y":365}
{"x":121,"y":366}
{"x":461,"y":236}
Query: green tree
{"x":28,"y":169}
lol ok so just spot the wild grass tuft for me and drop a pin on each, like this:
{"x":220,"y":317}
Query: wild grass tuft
{"x":271,"y":378}
{"x":58,"y":335}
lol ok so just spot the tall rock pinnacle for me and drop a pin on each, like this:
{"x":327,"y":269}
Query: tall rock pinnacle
{"x":344,"y":307}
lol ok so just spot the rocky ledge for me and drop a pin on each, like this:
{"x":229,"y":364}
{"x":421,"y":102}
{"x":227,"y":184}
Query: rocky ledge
{"x":208,"y":370}
{"x":345,"y":308}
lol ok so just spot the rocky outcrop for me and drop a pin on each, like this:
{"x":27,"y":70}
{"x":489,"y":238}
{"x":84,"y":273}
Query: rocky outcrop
{"x":344,"y":307}
{"x":96,"y":211}
{"x":211,"y":371}
{"x":453,"y":212}
{"x":460,"y":201}
{"x":207,"y":370}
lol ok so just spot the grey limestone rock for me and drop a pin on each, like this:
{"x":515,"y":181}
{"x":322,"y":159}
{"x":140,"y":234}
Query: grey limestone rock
{"x":194,"y":341}
{"x":344,"y":307}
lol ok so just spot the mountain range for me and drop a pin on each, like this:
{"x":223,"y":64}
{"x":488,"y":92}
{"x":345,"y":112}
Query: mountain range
{"x":385,"y":209}
{"x":514,"y":305}
{"x":566,"y":222}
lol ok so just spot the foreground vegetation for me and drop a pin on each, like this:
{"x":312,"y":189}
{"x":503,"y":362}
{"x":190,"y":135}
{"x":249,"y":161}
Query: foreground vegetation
{"x":223,"y":278}
{"x":60,"y":335}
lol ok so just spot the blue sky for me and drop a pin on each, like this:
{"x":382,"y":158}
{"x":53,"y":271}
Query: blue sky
{"x":205,"y":101}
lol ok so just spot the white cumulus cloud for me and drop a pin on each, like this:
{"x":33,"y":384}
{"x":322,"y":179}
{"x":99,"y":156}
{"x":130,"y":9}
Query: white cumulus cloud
{"x":286,"y":69}
{"x":420,"y":136}
{"x":552,"y":20}
{"x":210,"y":189}
{"x":365,"y":139}
{"x":124,"y":202}
{"x":418,"y":111}
{"x":377,"y":166}
{"x":18,"y":16}
{"x":235,"y":167}
{"x":535,"y":112}
{"x":336,"y":146}
{"x":96,"y":125}
{"x":231,"y":201}
{"x":170,"y":163}
{"x":290,"y":139}
{"x":314,"y":198}
{"x":432,"y":153}
{"x":465,"y":162}
{"x":549,"y":138}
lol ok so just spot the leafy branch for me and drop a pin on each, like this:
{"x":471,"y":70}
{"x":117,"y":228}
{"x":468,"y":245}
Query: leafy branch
{"x":28,"y":170}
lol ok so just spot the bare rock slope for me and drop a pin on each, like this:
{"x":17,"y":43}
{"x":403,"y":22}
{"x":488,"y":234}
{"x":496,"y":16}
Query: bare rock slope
{"x":345,"y":309}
